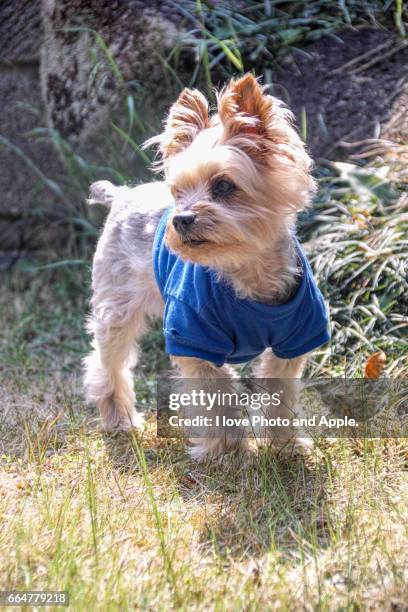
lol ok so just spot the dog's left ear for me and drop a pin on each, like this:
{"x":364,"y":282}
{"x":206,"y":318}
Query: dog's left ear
{"x":243,"y":108}
{"x":262,"y":123}
{"x":187,"y":117}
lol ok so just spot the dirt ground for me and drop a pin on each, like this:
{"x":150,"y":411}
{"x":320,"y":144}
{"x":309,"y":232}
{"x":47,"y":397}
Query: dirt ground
{"x":352,"y":87}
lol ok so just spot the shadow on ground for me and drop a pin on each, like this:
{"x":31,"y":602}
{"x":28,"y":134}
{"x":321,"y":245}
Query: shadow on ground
{"x":251,"y":504}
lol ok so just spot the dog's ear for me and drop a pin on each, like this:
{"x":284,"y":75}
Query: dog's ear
{"x":244,"y":108}
{"x":260,"y":122}
{"x":187,"y":117}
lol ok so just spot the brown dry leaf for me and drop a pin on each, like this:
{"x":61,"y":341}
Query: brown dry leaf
{"x":375,"y":365}
{"x":189,"y":481}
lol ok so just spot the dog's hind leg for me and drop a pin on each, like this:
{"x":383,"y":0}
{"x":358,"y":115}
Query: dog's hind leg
{"x":125,"y":296}
{"x":108,"y":377}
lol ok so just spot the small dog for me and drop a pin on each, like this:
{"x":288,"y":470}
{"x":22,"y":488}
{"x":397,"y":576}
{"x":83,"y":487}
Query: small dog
{"x":212,"y":250}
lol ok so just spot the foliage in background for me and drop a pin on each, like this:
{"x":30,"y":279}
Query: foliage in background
{"x":359,"y":218}
{"x":358,"y":231}
{"x":259,"y":34}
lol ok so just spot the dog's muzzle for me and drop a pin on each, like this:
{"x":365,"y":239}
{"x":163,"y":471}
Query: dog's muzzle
{"x":183,"y":222}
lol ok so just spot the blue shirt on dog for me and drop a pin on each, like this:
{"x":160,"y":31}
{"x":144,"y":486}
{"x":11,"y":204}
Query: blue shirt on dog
{"x":204,"y":318}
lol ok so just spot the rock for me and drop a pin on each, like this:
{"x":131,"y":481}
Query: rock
{"x":20,"y":31}
{"x":82,"y":81}
{"x":22,"y":191}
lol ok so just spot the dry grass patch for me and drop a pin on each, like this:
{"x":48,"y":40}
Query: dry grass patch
{"x":124,"y":522}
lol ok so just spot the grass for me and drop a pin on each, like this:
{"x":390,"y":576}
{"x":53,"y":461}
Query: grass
{"x":131,"y":523}
{"x":121,"y":527}
{"x":357,"y":233}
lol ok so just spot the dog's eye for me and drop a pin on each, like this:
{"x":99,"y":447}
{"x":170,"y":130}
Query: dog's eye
{"x":222,"y":188}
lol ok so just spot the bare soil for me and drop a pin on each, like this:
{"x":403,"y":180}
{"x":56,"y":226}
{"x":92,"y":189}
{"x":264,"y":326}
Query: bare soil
{"x":351,"y":87}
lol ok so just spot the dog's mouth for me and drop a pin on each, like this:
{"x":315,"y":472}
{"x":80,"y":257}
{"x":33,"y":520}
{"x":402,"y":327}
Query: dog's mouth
{"x":193,"y":242}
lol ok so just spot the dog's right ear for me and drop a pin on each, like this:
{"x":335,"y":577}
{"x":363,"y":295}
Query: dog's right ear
{"x":187,"y":117}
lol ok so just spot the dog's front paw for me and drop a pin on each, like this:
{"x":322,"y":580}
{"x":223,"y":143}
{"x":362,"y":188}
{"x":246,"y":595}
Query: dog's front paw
{"x":121,"y":422}
{"x":296,"y":446}
{"x":135,"y":421}
{"x":303,"y":446}
{"x":101,"y":192}
{"x":214,"y":449}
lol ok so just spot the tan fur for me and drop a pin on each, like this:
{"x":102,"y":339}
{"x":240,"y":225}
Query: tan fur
{"x":187,"y":116}
{"x":247,"y":236}
{"x":250,"y":141}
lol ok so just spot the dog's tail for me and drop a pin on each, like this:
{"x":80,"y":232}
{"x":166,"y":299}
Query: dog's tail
{"x":101,"y":192}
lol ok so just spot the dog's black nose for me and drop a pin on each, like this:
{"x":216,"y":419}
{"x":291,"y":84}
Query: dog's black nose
{"x":182,"y":221}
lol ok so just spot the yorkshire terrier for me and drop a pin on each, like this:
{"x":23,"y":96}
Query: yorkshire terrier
{"x":212,"y":250}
